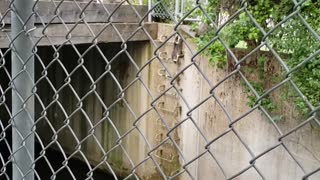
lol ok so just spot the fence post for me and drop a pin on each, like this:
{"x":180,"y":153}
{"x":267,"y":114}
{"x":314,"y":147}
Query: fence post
{"x":176,"y":9}
{"x":22,"y":83}
{"x":149,"y":7}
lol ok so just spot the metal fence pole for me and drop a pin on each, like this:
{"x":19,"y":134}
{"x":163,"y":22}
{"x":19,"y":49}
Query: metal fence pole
{"x":149,"y":7}
{"x":23,"y":82}
{"x":182,"y":8}
{"x":176,"y":11}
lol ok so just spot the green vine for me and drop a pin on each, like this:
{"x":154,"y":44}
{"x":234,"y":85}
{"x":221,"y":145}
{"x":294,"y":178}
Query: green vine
{"x":291,"y":38}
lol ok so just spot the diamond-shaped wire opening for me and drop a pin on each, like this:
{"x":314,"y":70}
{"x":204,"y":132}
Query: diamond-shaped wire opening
{"x":132,"y":109}
{"x":231,"y":27}
{"x":187,"y":129}
{"x":58,"y":164}
{"x":250,"y":173}
{"x":5,"y":163}
{"x":291,"y":31}
{"x":305,"y":84}
{"x":285,"y":113}
{"x":258,"y":96}
{"x":149,"y":166}
{"x":210,"y":167}
{"x":261,"y":77}
{"x":269,"y":20}
{"x":210,"y":118}
{"x":236,"y":160}
{"x":5,"y":89}
{"x":256,"y":131}
{"x":141,"y":148}
{"x":304,"y":151}
{"x":167,"y":157}
{"x":127,"y":72}
{"x":4,"y":16}
{"x":276,"y":171}
{"x":174,"y":46}
{"x":227,"y":92}
{"x":167,"y":117}
{"x":313,"y":175}
{"x":125,"y":155}
{"x":163,"y":10}
{"x":166,"y":148}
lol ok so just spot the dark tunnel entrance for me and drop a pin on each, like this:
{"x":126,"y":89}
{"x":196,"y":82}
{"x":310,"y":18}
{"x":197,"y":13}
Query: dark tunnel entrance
{"x":52,"y":162}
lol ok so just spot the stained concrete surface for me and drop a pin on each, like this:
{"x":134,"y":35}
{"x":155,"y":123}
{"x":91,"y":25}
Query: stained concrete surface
{"x":255,"y":129}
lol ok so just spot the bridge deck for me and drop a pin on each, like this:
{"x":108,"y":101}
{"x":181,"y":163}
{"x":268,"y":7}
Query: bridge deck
{"x":58,"y":23}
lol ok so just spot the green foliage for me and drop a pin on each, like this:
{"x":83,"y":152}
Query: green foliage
{"x":259,"y":86}
{"x":297,"y":41}
{"x":292,"y":38}
{"x":241,"y":30}
{"x":215,"y":52}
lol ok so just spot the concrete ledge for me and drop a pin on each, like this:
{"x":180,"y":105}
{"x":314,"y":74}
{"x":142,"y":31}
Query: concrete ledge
{"x":58,"y":34}
{"x":70,"y":12}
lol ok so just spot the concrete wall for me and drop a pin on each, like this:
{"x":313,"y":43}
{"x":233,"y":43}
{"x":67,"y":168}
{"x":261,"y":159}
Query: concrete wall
{"x":255,"y":129}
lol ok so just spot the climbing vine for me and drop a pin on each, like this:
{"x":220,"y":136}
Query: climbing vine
{"x":292,"y":38}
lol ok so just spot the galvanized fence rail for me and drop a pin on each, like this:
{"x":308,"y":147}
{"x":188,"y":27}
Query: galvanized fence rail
{"x":177,"y":9}
{"x":20,"y":118}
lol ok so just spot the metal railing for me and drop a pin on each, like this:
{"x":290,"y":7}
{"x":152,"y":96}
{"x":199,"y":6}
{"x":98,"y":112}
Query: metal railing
{"x":49,"y":99}
{"x":176,"y":9}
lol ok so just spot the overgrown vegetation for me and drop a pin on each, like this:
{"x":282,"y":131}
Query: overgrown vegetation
{"x":292,"y":39}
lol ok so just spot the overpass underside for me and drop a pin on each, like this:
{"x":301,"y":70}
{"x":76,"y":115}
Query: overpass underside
{"x":68,"y":23}
{"x":84,"y":57}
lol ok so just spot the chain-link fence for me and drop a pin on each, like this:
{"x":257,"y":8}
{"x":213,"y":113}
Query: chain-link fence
{"x":176,"y":9}
{"x":93,"y":90}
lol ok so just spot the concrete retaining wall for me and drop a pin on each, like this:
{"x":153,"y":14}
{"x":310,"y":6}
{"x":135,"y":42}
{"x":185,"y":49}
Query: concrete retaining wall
{"x":255,"y":129}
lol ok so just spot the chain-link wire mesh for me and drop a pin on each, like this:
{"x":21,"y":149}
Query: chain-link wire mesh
{"x":91,"y":90}
{"x":177,"y":9}
{"x":164,"y":10}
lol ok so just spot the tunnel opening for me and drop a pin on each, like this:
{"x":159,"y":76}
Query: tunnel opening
{"x":86,"y":79}
{"x":43,"y":169}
